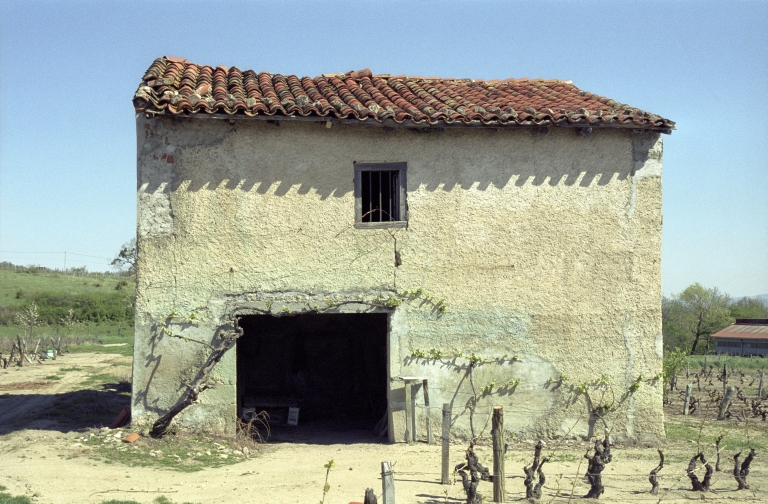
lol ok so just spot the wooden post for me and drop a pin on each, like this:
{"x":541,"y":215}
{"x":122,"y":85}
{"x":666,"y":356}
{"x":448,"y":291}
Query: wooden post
{"x":21,"y":351}
{"x":724,"y":404}
{"x":414,"y":424}
{"x":426,"y":408}
{"x":717,"y":448}
{"x":760,"y":387}
{"x":497,"y":433}
{"x":446,"y":446}
{"x":10,"y":357}
{"x":387,"y":484}
{"x":687,"y":406}
{"x":370,"y":497}
{"x":725,"y":378}
{"x":408,"y":413}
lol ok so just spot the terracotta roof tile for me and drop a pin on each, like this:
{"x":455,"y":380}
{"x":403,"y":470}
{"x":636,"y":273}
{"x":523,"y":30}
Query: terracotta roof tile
{"x":174,"y":86}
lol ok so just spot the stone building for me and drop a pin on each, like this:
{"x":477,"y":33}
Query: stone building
{"x":365,"y":228}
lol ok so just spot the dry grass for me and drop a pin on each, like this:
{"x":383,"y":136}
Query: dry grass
{"x":254,"y":433}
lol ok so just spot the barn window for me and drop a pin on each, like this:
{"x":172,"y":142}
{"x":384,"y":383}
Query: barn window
{"x":380,"y":195}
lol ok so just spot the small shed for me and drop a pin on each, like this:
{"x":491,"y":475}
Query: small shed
{"x":748,"y":336}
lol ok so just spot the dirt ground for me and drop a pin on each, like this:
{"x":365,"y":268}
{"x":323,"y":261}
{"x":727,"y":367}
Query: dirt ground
{"x":53,"y":451}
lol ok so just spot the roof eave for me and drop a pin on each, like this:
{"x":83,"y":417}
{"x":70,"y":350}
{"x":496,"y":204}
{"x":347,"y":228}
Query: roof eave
{"x":140,"y":105}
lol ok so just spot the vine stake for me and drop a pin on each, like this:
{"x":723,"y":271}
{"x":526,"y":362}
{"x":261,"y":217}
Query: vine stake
{"x":652,"y":476}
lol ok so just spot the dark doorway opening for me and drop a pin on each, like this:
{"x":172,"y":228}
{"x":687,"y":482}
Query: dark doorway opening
{"x":333,"y":367}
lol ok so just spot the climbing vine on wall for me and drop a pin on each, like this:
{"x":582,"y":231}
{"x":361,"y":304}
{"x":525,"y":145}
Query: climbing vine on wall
{"x":602,"y":398}
{"x":226,"y":336}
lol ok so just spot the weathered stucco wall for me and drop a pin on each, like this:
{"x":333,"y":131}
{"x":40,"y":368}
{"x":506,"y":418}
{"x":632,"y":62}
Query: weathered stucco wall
{"x":544,"y":246}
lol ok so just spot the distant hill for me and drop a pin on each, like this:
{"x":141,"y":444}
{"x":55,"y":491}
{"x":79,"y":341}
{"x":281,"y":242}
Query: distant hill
{"x":94,"y":297}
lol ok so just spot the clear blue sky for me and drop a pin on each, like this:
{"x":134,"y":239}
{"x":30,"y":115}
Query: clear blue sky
{"x":69,"y":71}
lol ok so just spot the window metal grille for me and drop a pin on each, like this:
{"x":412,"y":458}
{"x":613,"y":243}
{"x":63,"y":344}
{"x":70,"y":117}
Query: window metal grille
{"x":380,"y":195}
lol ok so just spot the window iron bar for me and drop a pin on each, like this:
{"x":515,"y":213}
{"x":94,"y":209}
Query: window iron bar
{"x":381,"y":195}
{"x":381,"y":217}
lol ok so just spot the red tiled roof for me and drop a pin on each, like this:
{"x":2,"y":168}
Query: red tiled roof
{"x":744,"y":331}
{"x":174,"y":86}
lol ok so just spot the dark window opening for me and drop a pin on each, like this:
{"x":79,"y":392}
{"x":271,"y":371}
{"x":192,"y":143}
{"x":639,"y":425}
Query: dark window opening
{"x":380,"y":195}
{"x":380,"y":192}
{"x":333,"y":367}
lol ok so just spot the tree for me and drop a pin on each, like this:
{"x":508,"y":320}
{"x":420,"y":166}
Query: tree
{"x":749,"y":308}
{"x":68,"y":321}
{"x":28,"y":319}
{"x":695,"y":314}
{"x":126,"y":258}
{"x":675,"y":335}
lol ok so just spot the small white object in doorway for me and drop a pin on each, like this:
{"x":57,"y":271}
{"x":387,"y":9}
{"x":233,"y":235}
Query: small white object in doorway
{"x":293,"y":416}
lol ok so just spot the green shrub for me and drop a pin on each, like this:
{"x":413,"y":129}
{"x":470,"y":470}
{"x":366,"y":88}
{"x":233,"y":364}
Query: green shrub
{"x":6,"y":498}
{"x":94,"y":307}
{"x":6,"y":315}
{"x":674,"y":362}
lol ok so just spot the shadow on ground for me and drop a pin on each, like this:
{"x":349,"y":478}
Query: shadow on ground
{"x":66,"y":411}
{"x":324,"y":433}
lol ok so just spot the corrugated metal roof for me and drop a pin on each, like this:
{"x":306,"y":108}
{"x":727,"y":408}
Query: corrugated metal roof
{"x":743,"y":331}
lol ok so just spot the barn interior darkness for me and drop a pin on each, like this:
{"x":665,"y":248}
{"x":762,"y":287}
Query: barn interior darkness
{"x":332,"y":366}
